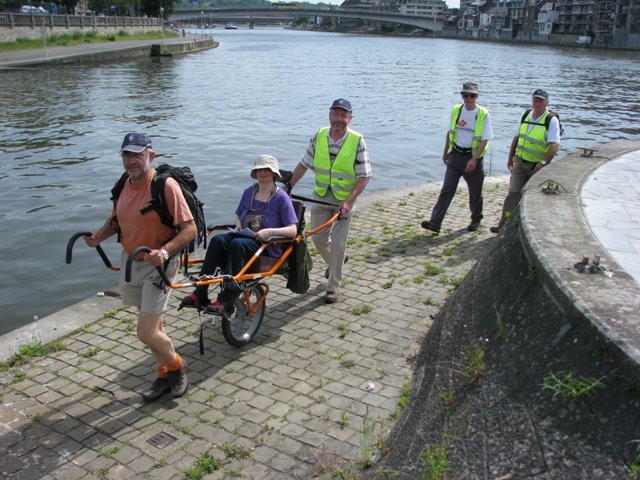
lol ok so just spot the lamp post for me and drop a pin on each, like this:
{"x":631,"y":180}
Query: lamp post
{"x":44,"y":36}
{"x":162,"y":20}
{"x":202,"y":13}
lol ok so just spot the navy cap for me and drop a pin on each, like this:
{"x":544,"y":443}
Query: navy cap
{"x":342,"y":103}
{"x":135,"y":142}
{"x":540,"y":94}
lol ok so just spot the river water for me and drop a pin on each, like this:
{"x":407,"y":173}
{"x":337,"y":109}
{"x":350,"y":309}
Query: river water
{"x":261,"y":91}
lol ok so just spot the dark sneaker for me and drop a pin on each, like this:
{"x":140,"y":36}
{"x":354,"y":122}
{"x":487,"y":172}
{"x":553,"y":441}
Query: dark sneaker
{"x":473,"y":226}
{"x":179,"y":381}
{"x":158,"y":388}
{"x":217,"y":308}
{"x":326,"y":272}
{"x":433,"y":226}
{"x":494,"y":229}
{"x":192,"y":301}
{"x":331,"y":297}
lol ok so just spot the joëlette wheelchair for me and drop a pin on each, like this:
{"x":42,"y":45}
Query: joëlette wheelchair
{"x":251,"y":293}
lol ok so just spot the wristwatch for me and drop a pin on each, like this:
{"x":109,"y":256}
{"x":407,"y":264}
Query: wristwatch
{"x":165,"y":253}
{"x":544,"y":162}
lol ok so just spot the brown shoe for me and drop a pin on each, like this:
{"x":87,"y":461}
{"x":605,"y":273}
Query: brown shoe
{"x":494,"y":229}
{"x":473,"y":226}
{"x":179,"y":381}
{"x":331,"y":297}
{"x":158,"y":388}
{"x":433,"y":226}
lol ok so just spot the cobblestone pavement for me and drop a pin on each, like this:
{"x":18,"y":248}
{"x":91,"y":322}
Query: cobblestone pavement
{"x":295,"y":403}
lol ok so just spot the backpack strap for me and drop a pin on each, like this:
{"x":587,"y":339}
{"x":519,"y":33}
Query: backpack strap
{"x":115,"y":194}
{"x":158,"y":201}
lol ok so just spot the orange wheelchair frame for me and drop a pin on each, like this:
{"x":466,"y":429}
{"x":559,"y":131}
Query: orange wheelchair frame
{"x":249,"y":300}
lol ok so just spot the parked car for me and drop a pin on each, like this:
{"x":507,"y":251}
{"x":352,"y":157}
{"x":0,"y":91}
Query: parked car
{"x":50,"y":7}
{"x":30,"y":9}
{"x":583,"y":41}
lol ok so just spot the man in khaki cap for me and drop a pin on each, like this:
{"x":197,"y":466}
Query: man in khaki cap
{"x":465,"y":145}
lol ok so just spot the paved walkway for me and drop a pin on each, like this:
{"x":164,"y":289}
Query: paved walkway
{"x":320,"y":383}
{"x":611,"y":202}
{"x":22,"y":58}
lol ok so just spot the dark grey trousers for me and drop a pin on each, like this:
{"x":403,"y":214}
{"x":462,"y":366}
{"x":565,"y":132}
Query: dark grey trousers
{"x":455,"y":169}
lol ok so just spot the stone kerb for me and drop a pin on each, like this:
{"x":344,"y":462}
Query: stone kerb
{"x":556,"y":236}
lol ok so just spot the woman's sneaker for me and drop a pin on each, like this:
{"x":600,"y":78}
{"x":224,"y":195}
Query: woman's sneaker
{"x":158,"y":388}
{"x":192,"y":301}
{"x":217,"y":308}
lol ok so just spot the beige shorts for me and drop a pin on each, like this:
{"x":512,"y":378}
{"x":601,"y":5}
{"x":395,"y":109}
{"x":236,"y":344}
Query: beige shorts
{"x":142,"y":290}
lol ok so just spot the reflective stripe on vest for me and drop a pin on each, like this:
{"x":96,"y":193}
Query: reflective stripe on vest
{"x":477,"y":132}
{"x":532,"y":145}
{"x":340,"y":176}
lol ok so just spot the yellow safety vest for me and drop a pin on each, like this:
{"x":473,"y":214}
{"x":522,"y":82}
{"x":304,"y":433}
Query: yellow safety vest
{"x":532,"y":145}
{"x":341,"y":175}
{"x":477,"y":132}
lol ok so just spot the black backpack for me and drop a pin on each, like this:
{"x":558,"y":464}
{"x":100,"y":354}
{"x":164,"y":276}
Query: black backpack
{"x":188,"y":185}
{"x":547,"y":120}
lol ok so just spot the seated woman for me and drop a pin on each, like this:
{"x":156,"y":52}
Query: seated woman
{"x":264,"y":208}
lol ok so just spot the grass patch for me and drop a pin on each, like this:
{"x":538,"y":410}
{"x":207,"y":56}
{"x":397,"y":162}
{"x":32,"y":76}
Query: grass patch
{"x":33,"y":349}
{"x":204,"y":465}
{"x":564,"y":384}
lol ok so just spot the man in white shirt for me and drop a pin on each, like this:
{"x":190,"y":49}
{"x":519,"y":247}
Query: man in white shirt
{"x":465,"y":145}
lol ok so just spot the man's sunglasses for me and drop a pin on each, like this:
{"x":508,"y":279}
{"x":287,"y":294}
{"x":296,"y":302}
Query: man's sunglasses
{"x":469,"y":95}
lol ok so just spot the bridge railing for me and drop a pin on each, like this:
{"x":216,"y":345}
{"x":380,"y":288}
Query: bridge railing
{"x":13,"y":20}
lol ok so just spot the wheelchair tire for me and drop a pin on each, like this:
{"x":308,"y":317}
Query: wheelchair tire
{"x":243,"y":327}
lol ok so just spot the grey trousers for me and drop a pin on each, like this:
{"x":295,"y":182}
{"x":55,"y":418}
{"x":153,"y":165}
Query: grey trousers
{"x":475,"y":179}
{"x":521,"y":172}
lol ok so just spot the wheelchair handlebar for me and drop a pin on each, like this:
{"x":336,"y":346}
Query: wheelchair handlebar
{"x":132,"y":257}
{"x":99,"y":249}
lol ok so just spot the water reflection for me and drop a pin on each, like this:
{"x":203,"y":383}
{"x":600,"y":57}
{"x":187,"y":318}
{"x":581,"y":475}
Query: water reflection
{"x":262,"y":91}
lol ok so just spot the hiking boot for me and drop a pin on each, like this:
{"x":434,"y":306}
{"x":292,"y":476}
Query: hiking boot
{"x":473,"y":226}
{"x":331,"y":297}
{"x":178,"y":381}
{"x":158,"y":388}
{"x":429,"y":225}
{"x":326,"y":272}
{"x":495,"y":229}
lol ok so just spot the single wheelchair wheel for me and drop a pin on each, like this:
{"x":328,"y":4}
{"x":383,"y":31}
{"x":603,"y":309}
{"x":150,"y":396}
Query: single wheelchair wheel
{"x":244,"y":325}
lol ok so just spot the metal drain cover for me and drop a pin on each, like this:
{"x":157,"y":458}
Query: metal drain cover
{"x":161,"y":440}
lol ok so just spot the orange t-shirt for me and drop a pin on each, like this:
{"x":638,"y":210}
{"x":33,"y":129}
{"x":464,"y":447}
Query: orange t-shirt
{"x":147,"y":230}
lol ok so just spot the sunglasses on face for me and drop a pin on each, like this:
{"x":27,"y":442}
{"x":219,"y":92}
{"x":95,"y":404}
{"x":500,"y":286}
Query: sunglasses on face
{"x":469,"y":95}
{"x":137,"y":156}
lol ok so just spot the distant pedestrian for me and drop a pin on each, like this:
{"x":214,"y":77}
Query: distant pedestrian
{"x":184,"y":32}
{"x":465,"y":145}
{"x":339,"y":159}
{"x":536,"y":142}
{"x":135,"y":229}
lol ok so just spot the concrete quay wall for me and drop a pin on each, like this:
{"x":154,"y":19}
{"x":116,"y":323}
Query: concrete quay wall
{"x":103,"y":52}
{"x":491,"y":382}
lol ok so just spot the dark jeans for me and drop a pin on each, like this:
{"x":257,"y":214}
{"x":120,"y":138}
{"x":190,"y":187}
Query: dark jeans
{"x":455,"y":169}
{"x":229,"y":252}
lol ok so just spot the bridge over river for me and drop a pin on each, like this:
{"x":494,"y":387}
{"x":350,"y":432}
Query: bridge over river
{"x":277,"y":15}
